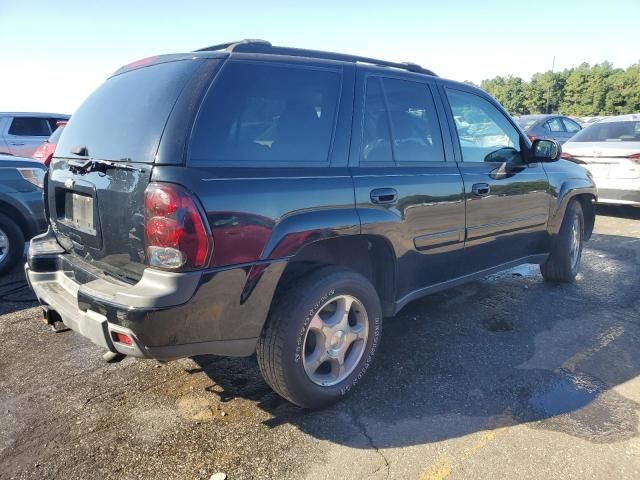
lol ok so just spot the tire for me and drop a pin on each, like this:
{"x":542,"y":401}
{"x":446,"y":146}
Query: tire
{"x":563,"y":263}
{"x":291,"y":344}
{"x":11,"y":243}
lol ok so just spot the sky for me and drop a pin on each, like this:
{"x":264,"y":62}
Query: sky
{"x":53,"y":54}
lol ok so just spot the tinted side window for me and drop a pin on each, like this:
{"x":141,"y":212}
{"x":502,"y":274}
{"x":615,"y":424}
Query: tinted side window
{"x":376,"y":137}
{"x":571,"y":126}
{"x":414,"y":122}
{"x":484,"y":132}
{"x":265,"y":112}
{"x":29,"y":127}
{"x":555,"y":125}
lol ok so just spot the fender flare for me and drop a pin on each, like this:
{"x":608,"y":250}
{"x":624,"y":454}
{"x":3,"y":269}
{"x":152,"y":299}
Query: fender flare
{"x":568,"y":190}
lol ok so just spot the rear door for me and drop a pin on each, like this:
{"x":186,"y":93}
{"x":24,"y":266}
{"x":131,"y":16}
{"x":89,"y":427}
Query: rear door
{"x":571,"y":128}
{"x":408,"y":188}
{"x":555,"y":130}
{"x":25,"y":134}
{"x":103,"y":162}
{"x":507,"y":200}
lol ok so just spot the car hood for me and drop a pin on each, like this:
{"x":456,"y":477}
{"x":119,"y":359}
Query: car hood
{"x":9,"y":161}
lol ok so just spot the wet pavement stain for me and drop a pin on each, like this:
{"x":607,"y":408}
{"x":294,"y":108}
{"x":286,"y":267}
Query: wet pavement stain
{"x":498,"y":323}
{"x":580,"y":405}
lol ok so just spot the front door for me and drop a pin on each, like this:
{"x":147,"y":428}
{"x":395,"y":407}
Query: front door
{"x":507,"y":199}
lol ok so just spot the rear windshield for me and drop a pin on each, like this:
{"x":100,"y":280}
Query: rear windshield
{"x":609,"y":132}
{"x":526,"y":122}
{"x":124,"y":118}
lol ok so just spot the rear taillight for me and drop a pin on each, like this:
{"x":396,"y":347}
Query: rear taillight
{"x":175,"y":234}
{"x":532,"y":137}
{"x":635,"y":157}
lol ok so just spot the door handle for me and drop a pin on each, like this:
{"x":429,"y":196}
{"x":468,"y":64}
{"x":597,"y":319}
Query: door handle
{"x":17,"y":144}
{"x":481,"y":189}
{"x":384,"y":196}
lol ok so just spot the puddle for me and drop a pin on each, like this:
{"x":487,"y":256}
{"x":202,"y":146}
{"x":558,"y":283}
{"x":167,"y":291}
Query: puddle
{"x":579,"y":405}
{"x":565,"y":395}
{"x":526,"y":270}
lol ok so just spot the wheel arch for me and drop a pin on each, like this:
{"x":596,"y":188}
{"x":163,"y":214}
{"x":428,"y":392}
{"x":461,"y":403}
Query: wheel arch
{"x":575,"y":189}
{"x":370,"y":255}
{"x":18,"y":217}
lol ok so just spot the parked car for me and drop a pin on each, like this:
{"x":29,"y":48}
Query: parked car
{"x":21,"y":207}
{"x":610,"y":150}
{"x":552,"y":127}
{"x":247,"y":198}
{"x":22,"y":133}
{"x":44,"y":152}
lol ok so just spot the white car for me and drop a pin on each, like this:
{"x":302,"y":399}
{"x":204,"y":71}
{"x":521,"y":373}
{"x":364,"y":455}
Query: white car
{"x":610,"y":149}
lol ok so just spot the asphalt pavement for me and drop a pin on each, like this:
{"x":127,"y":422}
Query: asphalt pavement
{"x":506,"y":377}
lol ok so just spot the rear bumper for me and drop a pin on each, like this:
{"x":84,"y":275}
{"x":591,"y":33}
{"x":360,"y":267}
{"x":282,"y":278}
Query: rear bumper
{"x":167,"y":315}
{"x":618,"y":196}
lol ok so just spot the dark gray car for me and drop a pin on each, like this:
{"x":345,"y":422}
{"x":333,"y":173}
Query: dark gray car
{"x":550,"y":127}
{"x":21,"y":206}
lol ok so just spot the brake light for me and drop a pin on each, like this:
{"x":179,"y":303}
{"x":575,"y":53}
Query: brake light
{"x":635,"y":157}
{"x":532,"y":137}
{"x":175,"y":233}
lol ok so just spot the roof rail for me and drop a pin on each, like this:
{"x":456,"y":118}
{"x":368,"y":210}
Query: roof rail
{"x":262,"y":46}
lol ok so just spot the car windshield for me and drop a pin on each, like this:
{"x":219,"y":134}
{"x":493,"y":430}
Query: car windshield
{"x":610,"y":132}
{"x":525,"y":122}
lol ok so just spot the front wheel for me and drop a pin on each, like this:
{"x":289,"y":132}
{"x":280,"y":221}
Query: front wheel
{"x":11,"y":243}
{"x":321,"y":337}
{"x":563,"y":263}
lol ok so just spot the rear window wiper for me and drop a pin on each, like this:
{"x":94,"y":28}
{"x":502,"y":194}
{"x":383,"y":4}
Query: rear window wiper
{"x":89,"y":165}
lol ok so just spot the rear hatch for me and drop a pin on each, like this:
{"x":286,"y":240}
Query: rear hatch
{"x":103,"y":163}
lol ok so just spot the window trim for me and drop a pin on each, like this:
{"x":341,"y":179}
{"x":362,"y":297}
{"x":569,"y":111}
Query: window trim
{"x":440,"y":122}
{"x":525,"y":143}
{"x":302,"y":65}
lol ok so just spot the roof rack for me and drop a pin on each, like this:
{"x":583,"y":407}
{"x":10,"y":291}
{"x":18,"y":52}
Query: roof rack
{"x":263,"y":46}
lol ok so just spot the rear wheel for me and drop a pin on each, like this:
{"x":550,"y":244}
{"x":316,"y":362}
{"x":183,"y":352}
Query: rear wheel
{"x":11,"y":243}
{"x":321,"y":338}
{"x":563,"y":263}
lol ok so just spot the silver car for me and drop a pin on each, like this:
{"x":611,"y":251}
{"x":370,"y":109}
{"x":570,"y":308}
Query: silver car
{"x":21,"y":133}
{"x":610,"y":149}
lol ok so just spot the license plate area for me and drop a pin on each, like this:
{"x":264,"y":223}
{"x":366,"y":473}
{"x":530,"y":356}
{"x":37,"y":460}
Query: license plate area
{"x":78,"y":212}
{"x":75,"y":213}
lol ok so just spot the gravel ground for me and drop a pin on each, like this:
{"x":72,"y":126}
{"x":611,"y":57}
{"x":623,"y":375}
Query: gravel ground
{"x":504,"y":377}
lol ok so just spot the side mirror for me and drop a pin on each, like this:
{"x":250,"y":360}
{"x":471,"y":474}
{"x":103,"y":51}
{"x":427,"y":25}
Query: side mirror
{"x":545,"y":150}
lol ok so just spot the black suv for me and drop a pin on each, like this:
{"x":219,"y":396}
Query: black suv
{"x":251,"y":198}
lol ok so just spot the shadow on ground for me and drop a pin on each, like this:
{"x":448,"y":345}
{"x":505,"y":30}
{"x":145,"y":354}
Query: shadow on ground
{"x":15,"y":293}
{"x":505,"y":350}
{"x":619,"y":211}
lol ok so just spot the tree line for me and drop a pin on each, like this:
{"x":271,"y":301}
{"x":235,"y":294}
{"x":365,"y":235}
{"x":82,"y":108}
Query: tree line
{"x":582,"y":91}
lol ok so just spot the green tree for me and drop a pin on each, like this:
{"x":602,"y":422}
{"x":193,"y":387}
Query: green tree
{"x":509,"y":91}
{"x":582,"y":91}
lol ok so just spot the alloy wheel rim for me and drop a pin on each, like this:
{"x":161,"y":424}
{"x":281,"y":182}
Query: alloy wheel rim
{"x":335,"y":340}
{"x":575,"y":241}
{"x":4,"y":245}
